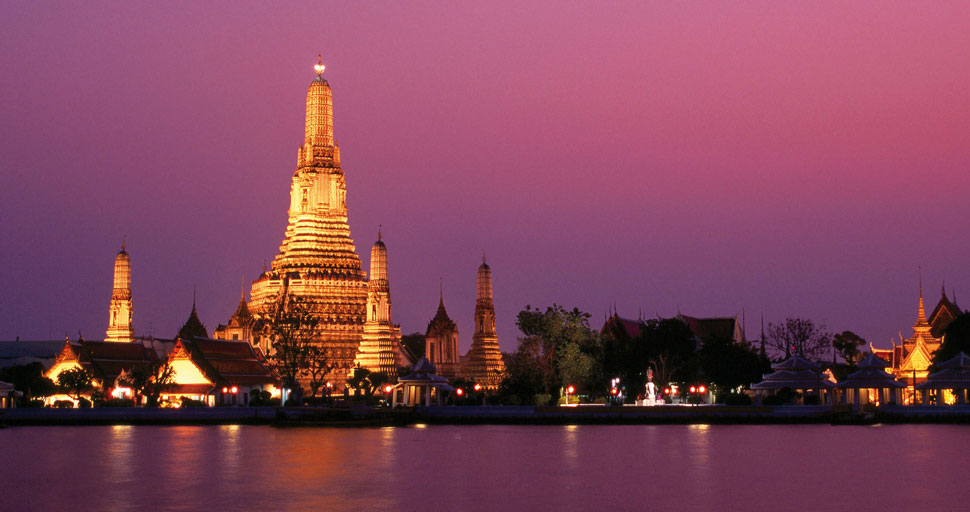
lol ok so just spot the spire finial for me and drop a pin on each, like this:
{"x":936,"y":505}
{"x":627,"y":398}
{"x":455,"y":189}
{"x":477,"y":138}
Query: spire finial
{"x":380,"y":231}
{"x":483,"y":256}
{"x":193,"y":296}
{"x":319,"y":67}
{"x":441,"y":291}
{"x":123,"y":240}
{"x":242,"y":287}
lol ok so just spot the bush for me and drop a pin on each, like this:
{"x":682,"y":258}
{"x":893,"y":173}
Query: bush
{"x":811,"y":400}
{"x":600,"y":400}
{"x":64,"y":404}
{"x":735,"y":399}
{"x":573,"y":399}
{"x":117,"y":402}
{"x":292,"y":402}
{"x":84,"y":403}
{"x":541,"y":399}
{"x":188,"y":402}
{"x":773,"y":400}
{"x":34,"y":403}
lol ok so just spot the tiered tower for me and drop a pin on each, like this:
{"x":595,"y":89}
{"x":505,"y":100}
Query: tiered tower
{"x":379,"y":346}
{"x":484,"y":360}
{"x":119,"y":316}
{"x":441,"y":342}
{"x":918,"y":348}
{"x":317,"y":258}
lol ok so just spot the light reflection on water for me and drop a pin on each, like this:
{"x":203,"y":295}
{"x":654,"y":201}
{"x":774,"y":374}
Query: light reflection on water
{"x":699,"y":467}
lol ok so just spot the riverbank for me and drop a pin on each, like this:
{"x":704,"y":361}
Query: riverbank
{"x":480,"y":415}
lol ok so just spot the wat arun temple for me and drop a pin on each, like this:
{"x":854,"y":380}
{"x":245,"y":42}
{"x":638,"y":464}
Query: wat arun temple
{"x":318,"y":263}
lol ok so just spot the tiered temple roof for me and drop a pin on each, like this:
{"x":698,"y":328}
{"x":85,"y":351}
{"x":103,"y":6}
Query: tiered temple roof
{"x":104,"y":360}
{"x":441,"y":342}
{"x":871,"y":375}
{"x":951,"y":374}
{"x":796,"y":372}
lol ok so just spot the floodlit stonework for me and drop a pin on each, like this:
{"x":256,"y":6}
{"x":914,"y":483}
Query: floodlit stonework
{"x":484,"y":363}
{"x":119,"y":312}
{"x":317,"y":259}
{"x":379,"y":350}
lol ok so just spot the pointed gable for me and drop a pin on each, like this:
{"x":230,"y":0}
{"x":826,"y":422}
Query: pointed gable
{"x":944,"y":313}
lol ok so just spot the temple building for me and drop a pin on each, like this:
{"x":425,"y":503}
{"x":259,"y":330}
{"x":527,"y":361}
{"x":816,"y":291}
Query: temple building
{"x":379,"y":349}
{"x":218,"y":372}
{"x":441,"y":343}
{"x":909,"y":361}
{"x":119,"y":315}
{"x":483,"y":363}
{"x":241,"y":326}
{"x":105,"y":361}
{"x":317,"y":260}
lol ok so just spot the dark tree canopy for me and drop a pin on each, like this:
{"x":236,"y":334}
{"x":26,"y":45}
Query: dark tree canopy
{"x":293,"y":331}
{"x":849,"y":345}
{"x":152,"y":380}
{"x":956,"y":339}
{"x":75,"y":381}
{"x":727,"y":365}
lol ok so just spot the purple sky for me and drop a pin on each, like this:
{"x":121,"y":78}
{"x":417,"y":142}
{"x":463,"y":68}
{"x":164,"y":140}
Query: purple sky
{"x":795,"y":160}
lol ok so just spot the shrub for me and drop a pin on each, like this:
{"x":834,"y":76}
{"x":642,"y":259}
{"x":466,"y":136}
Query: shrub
{"x":541,"y":399}
{"x":84,"y":403}
{"x":117,"y":402}
{"x":735,"y":399}
{"x":34,"y":403}
{"x":188,"y":402}
{"x":64,"y":404}
{"x":573,"y":399}
{"x":811,"y":400}
{"x":600,"y":400}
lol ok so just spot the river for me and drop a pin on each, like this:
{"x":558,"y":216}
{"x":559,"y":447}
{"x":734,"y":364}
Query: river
{"x":429,"y":468}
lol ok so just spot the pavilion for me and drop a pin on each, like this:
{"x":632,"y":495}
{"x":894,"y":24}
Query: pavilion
{"x":952,"y":375}
{"x":879,"y":385}
{"x":421,"y":385}
{"x":795,"y":373}
{"x":8,"y":395}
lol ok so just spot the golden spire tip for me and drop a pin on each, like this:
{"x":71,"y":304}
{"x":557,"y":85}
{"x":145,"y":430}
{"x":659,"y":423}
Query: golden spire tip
{"x":319,"y":67}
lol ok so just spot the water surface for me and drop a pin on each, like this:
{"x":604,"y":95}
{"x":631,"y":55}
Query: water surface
{"x":426,"y":468}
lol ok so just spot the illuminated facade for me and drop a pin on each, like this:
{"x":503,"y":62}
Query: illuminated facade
{"x":317,"y":259}
{"x":379,"y":347}
{"x":119,"y":315}
{"x":483,"y":363}
{"x":441,"y":343}
{"x":241,"y":326}
{"x":909,"y":361}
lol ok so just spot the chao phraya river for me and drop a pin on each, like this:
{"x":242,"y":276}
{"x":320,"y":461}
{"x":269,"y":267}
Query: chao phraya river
{"x":427,"y":468}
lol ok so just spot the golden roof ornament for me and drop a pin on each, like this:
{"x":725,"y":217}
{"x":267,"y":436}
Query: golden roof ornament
{"x":319,"y":67}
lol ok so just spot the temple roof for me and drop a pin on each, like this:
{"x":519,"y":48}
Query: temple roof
{"x":193,"y":327}
{"x":705,"y":329}
{"x":106,"y":359}
{"x":795,"y":372}
{"x":226,"y":363}
{"x":944,"y":313}
{"x":871,"y":375}
{"x":953,"y":374}
{"x":631,"y":327}
{"x":441,"y":321}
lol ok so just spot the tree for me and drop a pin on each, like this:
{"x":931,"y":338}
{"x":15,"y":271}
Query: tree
{"x":847,"y":344}
{"x":545,"y":335}
{"x":574,"y":365}
{"x":293,"y":330}
{"x":22,"y":376}
{"x":359,"y":381}
{"x":319,"y":365}
{"x":798,"y":336}
{"x":728,"y":365}
{"x":151,"y":380}
{"x":74,"y":381}
{"x":42,"y":387}
{"x":956,"y":339}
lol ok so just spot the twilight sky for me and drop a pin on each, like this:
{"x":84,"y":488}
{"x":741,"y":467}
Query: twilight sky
{"x":790,"y":160}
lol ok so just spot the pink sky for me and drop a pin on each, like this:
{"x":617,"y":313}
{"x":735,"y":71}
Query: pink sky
{"x":790,"y":160}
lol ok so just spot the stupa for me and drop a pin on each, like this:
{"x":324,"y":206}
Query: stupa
{"x":119,"y":315}
{"x":317,"y":260}
{"x":484,"y":363}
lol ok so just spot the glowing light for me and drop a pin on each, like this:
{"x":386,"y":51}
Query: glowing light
{"x":478,"y":387}
{"x":702,"y":389}
{"x":388,"y":388}
{"x":319,"y":67}
{"x":570,"y":390}
{"x":234,"y":390}
{"x":693,"y":389}
{"x":614,"y":391}
{"x":666,"y":391}
{"x":459,"y":391}
{"x":225,"y":390}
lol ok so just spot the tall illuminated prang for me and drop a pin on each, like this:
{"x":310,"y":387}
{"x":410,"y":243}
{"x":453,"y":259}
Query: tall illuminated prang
{"x":484,"y":360}
{"x":317,"y":259}
{"x":378,"y":350}
{"x":119,"y":312}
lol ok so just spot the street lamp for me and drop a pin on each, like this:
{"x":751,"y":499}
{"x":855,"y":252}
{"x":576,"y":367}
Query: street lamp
{"x":570,"y":389}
